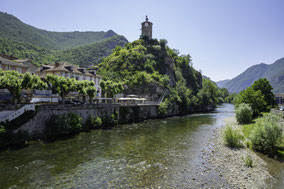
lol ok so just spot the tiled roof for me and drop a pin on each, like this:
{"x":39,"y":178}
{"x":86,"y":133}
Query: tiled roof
{"x":11,"y":63}
{"x":63,"y":66}
{"x":21,"y":60}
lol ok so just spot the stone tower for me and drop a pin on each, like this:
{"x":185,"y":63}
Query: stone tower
{"x":146,"y":29}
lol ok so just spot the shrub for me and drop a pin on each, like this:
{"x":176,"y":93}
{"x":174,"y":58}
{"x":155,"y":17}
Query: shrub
{"x":97,"y":122}
{"x":63,"y":124}
{"x":267,"y":135}
{"x":248,"y":161}
{"x":109,"y":121}
{"x":232,"y":137}
{"x":244,"y":113}
{"x":92,"y":123}
{"x":254,"y":98}
{"x":162,"y":109}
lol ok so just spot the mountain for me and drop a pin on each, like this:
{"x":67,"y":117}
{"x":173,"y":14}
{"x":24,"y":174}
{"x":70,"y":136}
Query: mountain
{"x":41,"y":46}
{"x":274,"y":73}
{"x":221,"y":83}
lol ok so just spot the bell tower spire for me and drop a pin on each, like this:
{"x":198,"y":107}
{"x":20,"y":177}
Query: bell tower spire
{"x":146,"y":28}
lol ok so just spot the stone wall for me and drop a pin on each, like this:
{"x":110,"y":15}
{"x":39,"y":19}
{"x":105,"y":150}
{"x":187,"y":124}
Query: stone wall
{"x":128,"y":114}
{"x":36,"y":126}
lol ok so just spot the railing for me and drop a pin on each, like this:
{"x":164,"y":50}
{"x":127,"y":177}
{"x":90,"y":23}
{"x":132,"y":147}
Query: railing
{"x":19,"y":112}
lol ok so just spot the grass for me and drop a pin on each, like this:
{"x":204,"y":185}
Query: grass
{"x":247,"y":130}
{"x":232,"y":138}
{"x":248,"y":161}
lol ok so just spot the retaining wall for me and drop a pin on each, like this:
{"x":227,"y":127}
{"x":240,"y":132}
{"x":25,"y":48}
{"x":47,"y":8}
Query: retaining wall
{"x":36,"y":126}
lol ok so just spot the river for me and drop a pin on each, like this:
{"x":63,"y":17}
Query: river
{"x":162,"y":153}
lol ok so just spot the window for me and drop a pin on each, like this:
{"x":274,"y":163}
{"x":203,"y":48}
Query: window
{"x":19,"y":69}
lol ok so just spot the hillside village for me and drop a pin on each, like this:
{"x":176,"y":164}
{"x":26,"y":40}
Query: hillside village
{"x":90,"y":109}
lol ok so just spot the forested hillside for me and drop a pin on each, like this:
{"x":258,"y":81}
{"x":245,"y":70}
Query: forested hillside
{"x":151,"y":69}
{"x":41,"y":46}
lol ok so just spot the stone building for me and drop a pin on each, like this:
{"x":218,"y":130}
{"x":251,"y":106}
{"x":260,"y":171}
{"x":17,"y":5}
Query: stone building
{"x":7,"y":64}
{"x":68,"y":70}
{"x":146,"y":29}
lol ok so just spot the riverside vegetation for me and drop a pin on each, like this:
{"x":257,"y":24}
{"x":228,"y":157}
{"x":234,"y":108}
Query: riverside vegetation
{"x":146,"y":67}
{"x":265,"y":133}
{"x":56,"y":126}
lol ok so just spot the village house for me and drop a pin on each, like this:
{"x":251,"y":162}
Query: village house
{"x":68,"y":70}
{"x":7,"y":64}
{"x":64,"y":69}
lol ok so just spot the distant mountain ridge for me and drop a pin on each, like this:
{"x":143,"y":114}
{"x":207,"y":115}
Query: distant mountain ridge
{"x":222,"y":83}
{"x":272,"y":72}
{"x":41,"y":46}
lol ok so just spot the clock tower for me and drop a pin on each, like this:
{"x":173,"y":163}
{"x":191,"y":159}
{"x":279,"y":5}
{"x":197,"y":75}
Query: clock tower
{"x":146,"y":28}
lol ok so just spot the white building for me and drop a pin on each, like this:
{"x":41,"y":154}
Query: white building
{"x":68,"y":70}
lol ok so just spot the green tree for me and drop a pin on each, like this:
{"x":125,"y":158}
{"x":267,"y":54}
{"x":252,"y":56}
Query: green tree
{"x":254,"y":98}
{"x":15,"y":82}
{"x":86,"y":87}
{"x":91,"y":91}
{"x":62,"y":85}
{"x":110,"y":88}
{"x":264,"y":86}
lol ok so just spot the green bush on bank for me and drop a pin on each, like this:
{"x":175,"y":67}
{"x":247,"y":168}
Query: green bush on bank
{"x":232,"y":137}
{"x":109,"y":121}
{"x":63,"y":124}
{"x":244,"y":113}
{"x":162,"y":109}
{"x":267,"y":134}
{"x":93,"y":123}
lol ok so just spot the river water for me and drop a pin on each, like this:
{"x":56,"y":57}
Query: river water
{"x":162,"y":153}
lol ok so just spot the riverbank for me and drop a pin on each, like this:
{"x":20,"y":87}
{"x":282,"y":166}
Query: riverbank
{"x":232,"y":166}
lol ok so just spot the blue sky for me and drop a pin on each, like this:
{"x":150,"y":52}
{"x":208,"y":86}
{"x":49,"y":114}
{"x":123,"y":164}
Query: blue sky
{"x":224,"y":37}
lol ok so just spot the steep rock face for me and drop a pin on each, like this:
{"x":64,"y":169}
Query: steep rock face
{"x":274,"y":73}
{"x":149,"y":69}
{"x":169,"y":70}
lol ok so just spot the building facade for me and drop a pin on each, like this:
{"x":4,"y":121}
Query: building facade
{"x":146,"y":29}
{"x":68,"y":70}
{"x":6,"y":64}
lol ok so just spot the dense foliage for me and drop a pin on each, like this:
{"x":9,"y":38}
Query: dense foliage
{"x":42,"y":47}
{"x":92,"y":123}
{"x":267,"y":134}
{"x":244,"y":113}
{"x":14,"y":29}
{"x":15,"y":82}
{"x":84,"y":56}
{"x":150,"y":68}
{"x":258,"y":96}
{"x":110,"y":88}
{"x":264,"y":86}
{"x":63,"y":124}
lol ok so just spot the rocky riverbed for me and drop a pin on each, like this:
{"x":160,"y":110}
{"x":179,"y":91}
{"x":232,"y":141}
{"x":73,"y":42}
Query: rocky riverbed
{"x":231,"y":166}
